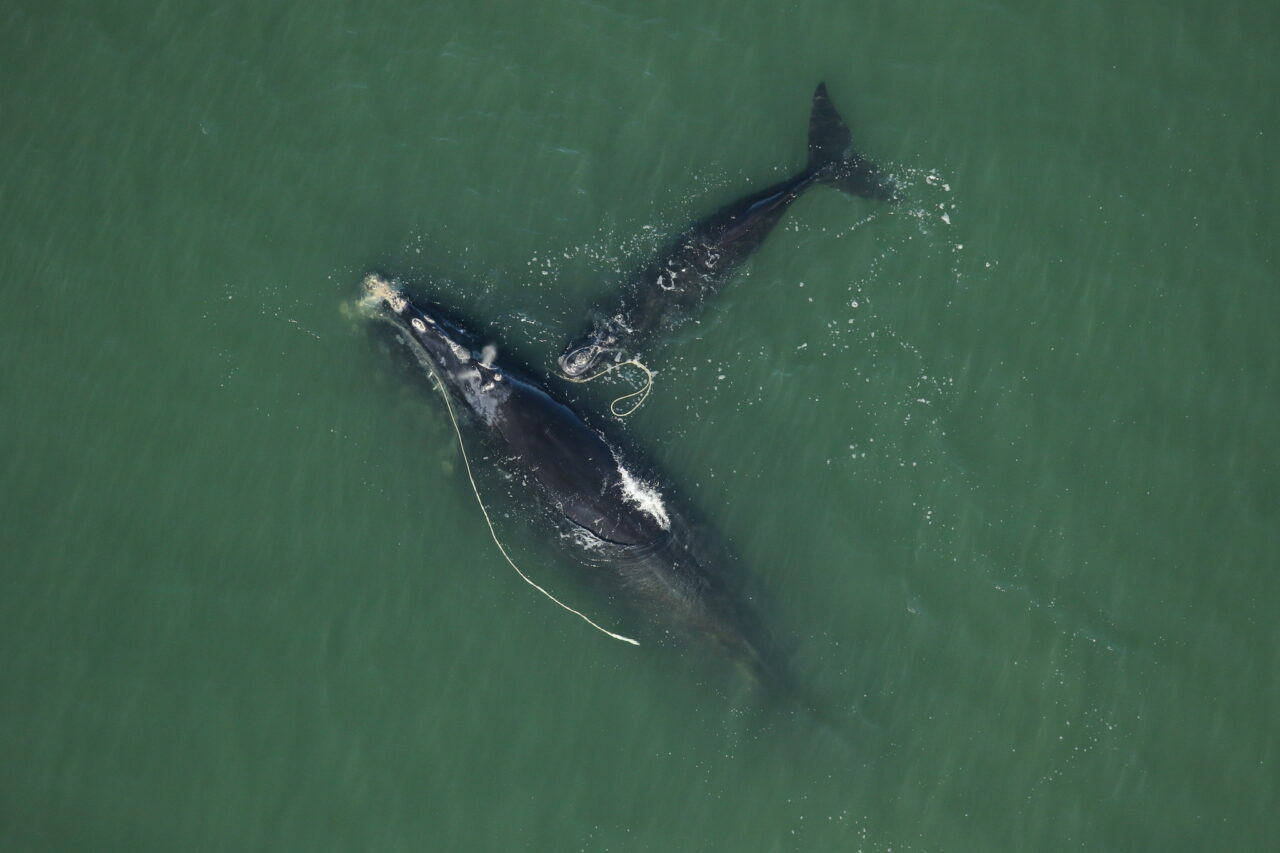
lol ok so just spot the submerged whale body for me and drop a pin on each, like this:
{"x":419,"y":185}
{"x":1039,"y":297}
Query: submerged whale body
{"x":710,"y":250}
{"x":621,"y":526}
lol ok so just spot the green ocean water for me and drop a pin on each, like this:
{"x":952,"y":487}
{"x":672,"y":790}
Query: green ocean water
{"x":1001,"y":461}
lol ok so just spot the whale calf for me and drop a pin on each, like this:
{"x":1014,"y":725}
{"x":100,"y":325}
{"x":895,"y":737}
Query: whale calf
{"x":708,"y":252}
{"x":621,"y":527}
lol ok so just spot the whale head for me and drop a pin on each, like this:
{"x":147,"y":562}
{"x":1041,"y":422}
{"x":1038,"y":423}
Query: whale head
{"x":447,"y":350}
{"x":585,"y":356}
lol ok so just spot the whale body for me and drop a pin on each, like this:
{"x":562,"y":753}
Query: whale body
{"x":706,"y":254}
{"x":622,"y":528}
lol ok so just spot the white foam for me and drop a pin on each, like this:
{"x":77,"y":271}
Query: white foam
{"x":644,"y":497}
{"x":378,"y":290}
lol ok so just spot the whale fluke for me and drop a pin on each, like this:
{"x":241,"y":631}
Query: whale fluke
{"x":666,"y":292}
{"x":833,"y":159}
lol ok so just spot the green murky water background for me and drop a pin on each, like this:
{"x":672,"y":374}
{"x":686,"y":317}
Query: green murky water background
{"x":1002,"y":461}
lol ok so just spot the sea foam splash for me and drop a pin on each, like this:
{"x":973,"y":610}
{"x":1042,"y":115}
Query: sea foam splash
{"x":644,"y":497}
{"x":378,"y":290}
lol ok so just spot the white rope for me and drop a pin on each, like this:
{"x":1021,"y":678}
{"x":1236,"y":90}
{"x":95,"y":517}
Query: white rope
{"x":642,"y":393}
{"x":467,"y":463}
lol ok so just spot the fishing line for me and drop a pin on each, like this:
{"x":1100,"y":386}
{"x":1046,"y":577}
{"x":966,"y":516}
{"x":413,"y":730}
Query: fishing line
{"x":642,"y":393}
{"x":492,"y":532}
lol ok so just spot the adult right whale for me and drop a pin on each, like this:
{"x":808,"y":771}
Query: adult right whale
{"x":710,"y":250}
{"x":635,"y":541}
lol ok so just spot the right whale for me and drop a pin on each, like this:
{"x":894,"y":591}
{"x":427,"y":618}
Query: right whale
{"x":639,"y":547}
{"x":710,"y":250}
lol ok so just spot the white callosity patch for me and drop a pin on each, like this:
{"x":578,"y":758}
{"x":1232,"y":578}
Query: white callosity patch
{"x":644,"y":497}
